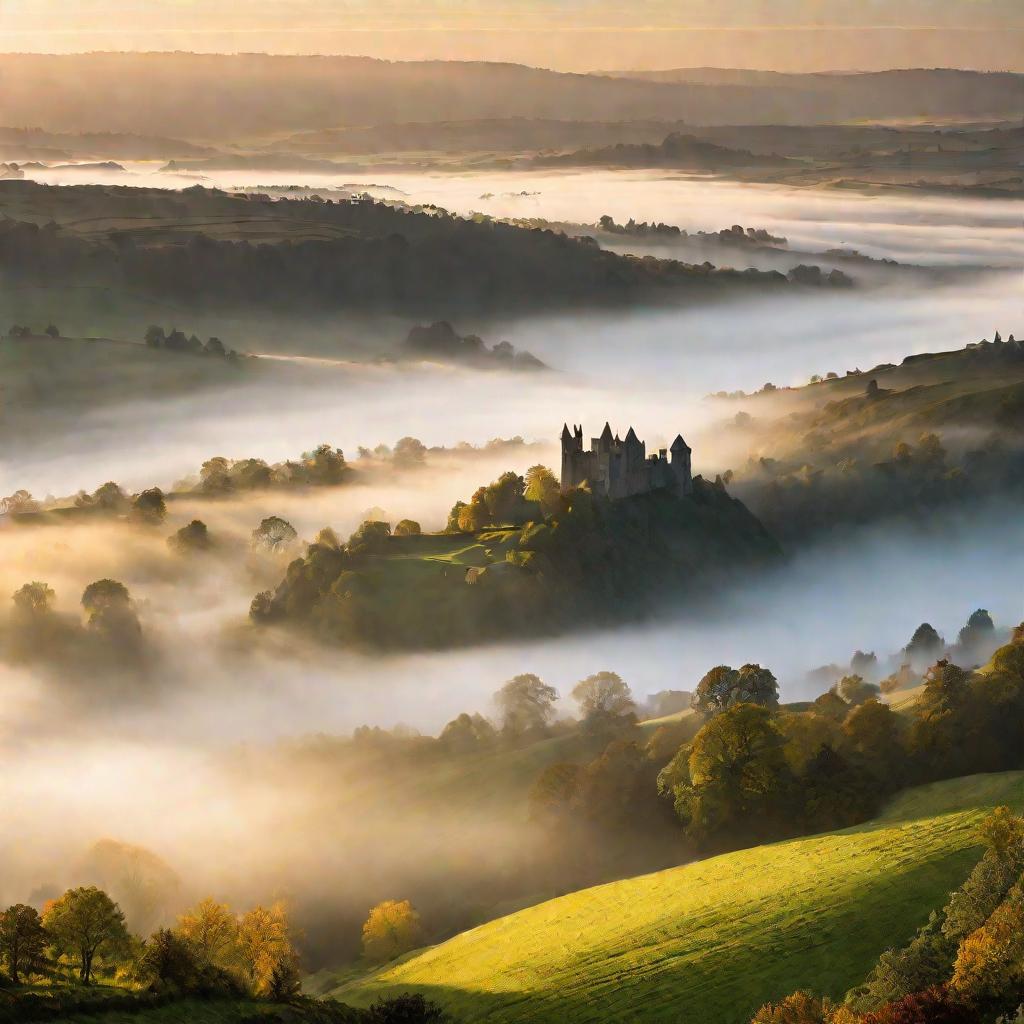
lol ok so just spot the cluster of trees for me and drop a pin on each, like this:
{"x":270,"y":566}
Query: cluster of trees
{"x":757,"y":771}
{"x":796,"y":498}
{"x":210,"y":950}
{"x":148,"y":506}
{"x":851,"y":462}
{"x":407,"y":453}
{"x":964,"y":965}
{"x":735,"y":235}
{"x":440,"y":341}
{"x":107,"y":632}
{"x":175,"y":340}
{"x":744,"y":769}
{"x":324,"y":466}
{"x":22,"y":331}
{"x":501,"y":503}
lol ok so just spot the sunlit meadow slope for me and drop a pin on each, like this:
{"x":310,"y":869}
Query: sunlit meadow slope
{"x":713,"y":940}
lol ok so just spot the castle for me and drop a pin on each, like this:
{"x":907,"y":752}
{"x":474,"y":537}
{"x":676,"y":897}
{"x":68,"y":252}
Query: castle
{"x":617,"y":469}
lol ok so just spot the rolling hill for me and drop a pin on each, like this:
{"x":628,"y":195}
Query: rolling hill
{"x":205,"y":248}
{"x":246,"y":96}
{"x":713,"y":940}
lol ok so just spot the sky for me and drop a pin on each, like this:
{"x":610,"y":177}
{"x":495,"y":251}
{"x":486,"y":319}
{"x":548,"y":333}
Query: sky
{"x":570,"y":35}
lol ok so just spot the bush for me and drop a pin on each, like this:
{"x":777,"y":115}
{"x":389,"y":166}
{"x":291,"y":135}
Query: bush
{"x":406,"y":1009}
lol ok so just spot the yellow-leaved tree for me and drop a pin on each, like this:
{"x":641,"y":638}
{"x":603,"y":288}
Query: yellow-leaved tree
{"x":211,"y":930}
{"x":265,"y":946}
{"x":393,"y":928}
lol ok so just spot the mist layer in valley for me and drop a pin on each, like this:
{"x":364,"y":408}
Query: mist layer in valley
{"x":195,"y":757}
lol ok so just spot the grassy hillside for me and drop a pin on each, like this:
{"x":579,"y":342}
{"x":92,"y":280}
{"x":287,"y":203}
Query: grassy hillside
{"x":713,"y":940}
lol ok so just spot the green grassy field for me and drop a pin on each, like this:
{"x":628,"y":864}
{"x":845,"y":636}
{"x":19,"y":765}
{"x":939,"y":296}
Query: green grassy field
{"x":713,"y":940}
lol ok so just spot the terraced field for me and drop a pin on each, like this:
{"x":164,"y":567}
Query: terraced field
{"x":713,"y":940}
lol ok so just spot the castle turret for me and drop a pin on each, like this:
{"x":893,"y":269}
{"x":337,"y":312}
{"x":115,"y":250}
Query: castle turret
{"x":567,"y":449}
{"x":681,"y":464}
{"x":637,"y":475}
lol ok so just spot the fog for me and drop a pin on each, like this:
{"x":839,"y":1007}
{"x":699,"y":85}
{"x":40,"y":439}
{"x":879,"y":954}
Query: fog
{"x":932,"y":230}
{"x":192,"y":762}
{"x":650,"y":369}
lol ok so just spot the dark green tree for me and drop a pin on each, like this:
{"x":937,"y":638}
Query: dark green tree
{"x":149,"y":507}
{"x":86,"y":922}
{"x":738,"y":777}
{"x":23,"y":941}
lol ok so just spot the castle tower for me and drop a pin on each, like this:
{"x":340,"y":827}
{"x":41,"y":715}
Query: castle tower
{"x":635,"y":450}
{"x":681,"y":469}
{"x":567,"y":450}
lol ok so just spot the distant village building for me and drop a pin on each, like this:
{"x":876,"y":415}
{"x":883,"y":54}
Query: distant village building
{"x":618,"y":469}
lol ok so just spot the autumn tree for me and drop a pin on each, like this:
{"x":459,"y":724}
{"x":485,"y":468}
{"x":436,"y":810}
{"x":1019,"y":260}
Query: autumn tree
{"x":453,"y":525}
{"x":407,"y":528}
{"x":542,"y":487}
{"x":85,"y":923}
{"x":798,"y":1008}
{"x":211,"y":929}
{"x":264,"y":943}
{"x":475,"y":514}
{"x":392,"y":928}
{"x":23,"y":941}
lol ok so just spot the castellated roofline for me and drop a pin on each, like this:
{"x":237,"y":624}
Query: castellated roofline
{"x":618,"y":469}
